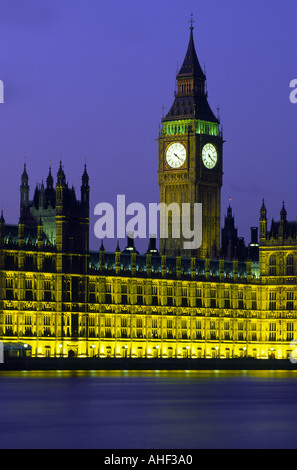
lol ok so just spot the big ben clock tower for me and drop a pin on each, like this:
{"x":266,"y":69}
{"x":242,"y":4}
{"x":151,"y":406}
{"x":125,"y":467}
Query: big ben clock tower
{"x":191,"y":159}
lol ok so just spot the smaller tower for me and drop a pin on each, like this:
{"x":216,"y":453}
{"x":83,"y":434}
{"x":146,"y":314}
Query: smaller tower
{"x":2,"y":229}
{"x":229,"y":235}
{"x":85,"y":191}
{"x":60,"y":190}
{"x":85,"y":210}
{"x":263,"y":223}
{"x":283,"y":222}
{"x":24,"y":188}
{"x":50,"y":195}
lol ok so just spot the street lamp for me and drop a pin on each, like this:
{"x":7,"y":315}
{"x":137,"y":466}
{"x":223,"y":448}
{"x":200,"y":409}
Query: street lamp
{"x":157,"y":348}
{"x":126,"y":350}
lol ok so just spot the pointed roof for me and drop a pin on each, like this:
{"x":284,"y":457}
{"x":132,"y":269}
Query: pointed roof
{"x":192,"y":103}
{"x":229,"y":211}
{"x":283,"y":212}
{"x":61,"y":174}
{"x":2,"y":220}
{"x":191,"y":65}
{"x":50,"y":179}
{"x":85,"y":176}
{"x":263,"y":210}
{"x":25,"y":176}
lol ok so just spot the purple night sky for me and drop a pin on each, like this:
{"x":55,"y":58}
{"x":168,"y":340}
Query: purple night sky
{"x":89,"y":79}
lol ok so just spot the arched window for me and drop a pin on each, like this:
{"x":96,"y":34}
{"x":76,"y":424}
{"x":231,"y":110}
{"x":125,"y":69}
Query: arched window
{"x":272,"y":265}
{"x":290,"y":265}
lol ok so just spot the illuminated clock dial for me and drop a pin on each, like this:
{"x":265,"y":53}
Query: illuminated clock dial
{"x":176,"y":155}
{"x":209,"y":156}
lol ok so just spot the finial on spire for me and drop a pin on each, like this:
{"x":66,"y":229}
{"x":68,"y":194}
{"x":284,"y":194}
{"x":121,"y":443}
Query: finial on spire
{"x":85,"y":165}
{"x":191,"y":21}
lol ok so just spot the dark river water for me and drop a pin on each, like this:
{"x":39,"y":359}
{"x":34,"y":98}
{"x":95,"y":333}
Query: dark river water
{"x":148,"y":410}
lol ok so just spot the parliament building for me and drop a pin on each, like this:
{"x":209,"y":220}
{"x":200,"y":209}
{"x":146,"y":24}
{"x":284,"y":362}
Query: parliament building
{"x":224,"y":300}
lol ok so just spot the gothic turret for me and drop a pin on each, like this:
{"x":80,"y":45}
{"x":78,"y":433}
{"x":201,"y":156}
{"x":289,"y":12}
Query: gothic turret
{"x":24,"y":188}
{"x":85,"y":192}
{"x":2,"y":229}
{"x":50,"y":195}
{"x":283,"y":222}
{"x":263,"y":222}
{"x":283,"y":213}
{"x":61,"y":180}
{"x":50,"y":179}
{"x":232,"y":245}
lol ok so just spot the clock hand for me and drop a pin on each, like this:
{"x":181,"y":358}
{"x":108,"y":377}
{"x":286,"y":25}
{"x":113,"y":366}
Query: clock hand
{"x":177,"y":157}
{"x":211,"y":158}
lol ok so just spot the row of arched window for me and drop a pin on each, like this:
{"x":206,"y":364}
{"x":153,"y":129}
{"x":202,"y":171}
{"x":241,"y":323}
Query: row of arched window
{"x":289,"y":265}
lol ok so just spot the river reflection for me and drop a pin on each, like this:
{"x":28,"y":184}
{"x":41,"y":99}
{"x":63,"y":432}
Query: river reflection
{"x":148,"y":409}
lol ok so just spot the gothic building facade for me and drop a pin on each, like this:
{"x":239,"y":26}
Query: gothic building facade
{"x":225,"y":300}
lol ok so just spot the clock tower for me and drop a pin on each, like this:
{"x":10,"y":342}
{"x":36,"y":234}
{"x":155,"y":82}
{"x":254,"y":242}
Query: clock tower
{"x":190,"y":162}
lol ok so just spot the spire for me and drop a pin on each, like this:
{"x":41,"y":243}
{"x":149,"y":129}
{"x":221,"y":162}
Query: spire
{"x":85,"y":177}
{"x":50,"y":179}
{"x":2,"y":220}
{"x":191,"y":65}
{"x":24,"y":189}
{"x":61,"y":175}
{"x":25,"y":177}
{"x":263,"y":210}
{"x":190,"y":95}
{"x":85,"y":190}
{"x":263,"y":223}
{"x":283,"y":212}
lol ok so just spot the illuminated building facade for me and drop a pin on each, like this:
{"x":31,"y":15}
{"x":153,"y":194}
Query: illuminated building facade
{"x":59,"y":299}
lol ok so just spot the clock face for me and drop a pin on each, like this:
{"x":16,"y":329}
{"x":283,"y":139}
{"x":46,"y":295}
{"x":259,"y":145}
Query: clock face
{"x":176,"y":155}
{"x":209,"y":156}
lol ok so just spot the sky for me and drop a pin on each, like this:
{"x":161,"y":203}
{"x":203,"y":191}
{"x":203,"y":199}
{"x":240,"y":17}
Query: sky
{"x":87,"y":80}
